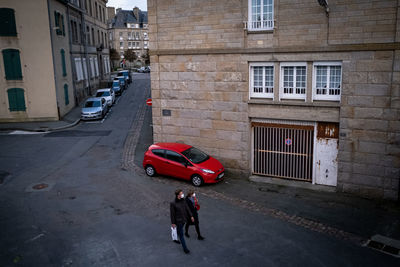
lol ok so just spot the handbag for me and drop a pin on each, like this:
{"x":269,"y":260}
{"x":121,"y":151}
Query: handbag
{"x":174,"y":234}
{"x":196,"y":204}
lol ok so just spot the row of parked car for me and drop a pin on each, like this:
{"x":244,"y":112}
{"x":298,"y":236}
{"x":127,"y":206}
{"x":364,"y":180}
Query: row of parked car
{"x":96,"y":107}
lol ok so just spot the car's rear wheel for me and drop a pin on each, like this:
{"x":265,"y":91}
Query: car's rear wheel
{"x":150,"y":171}
{"x":197,"y":180}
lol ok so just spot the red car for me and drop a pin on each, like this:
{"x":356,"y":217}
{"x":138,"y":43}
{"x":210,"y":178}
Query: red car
{"x":182,"y":161}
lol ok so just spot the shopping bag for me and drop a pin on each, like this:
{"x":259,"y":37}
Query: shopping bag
{"x":174,"y":234}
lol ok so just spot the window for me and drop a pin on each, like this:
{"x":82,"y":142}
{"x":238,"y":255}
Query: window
{"x":262,"y":80}
{"x":93,"y":43}
{"x":171,"y":155}
{"x":261,"y":15}
{"x":111,"y":36}
{"x":92,"y":73}
{"x":64,"y":68}
{"x":137,"y":35}
{"x":96,"y":65}
{"x":97,"y":13}
{"x":145,"y":35}
{"x":78,"y":69}
{"x":59,"y":23}
{"x":121,"y":45}
{"x":130,"y":45}
{"x":7,"y":22}
{"x":98,"y":37}
{"x":327,"y":80}
{"x":16,"y":99}
{"x":293,"y":80}
{"x":159,"y":152}
{"x":90,"y":8}
{"x":12,"y":64}
{"x":85,"y":73}
{"x":66,"y":97}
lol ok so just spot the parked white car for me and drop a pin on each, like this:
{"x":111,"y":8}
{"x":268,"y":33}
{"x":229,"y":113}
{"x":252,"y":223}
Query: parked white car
{"x":108,"y":94}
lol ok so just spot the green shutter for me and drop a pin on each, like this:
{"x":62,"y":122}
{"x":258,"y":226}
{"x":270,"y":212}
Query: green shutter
{"x":66,"y":97}
{"x":7,"y":22}
{"x":63,"y":27}
{"x":12,"y":64}
{"x":57,"y":17}
{"x":64,"y":68}
{"x":16,"y":99}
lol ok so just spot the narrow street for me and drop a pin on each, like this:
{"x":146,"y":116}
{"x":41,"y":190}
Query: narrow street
{"x":100,"y":209}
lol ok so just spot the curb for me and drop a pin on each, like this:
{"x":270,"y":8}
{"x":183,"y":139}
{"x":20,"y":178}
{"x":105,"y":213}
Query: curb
{"x":43,"y":130}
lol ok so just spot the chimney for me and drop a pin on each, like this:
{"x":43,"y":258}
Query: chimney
{"x":119,"y":9}
{"x":136,"y":12}
{"x":110,"y":13}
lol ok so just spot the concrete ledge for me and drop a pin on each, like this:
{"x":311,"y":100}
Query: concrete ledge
{"x":291,"y":183}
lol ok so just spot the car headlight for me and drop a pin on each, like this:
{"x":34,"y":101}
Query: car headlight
{"x":98,"y":112}
{"x":207,"y":171}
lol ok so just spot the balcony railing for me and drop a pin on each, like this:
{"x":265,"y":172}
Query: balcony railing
{"x":260,"y":25}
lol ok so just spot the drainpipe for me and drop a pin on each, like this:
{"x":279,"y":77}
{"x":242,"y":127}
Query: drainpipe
{"x":85,"y":45}
{"x":71,"y":57}
{"x":53,"y":57}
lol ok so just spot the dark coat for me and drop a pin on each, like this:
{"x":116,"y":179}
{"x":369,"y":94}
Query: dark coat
{"x":180,"y":212}
{"x":193,"y":210}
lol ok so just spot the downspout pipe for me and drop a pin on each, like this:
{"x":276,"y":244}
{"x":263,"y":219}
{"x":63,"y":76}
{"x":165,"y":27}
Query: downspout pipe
{"x":53,"y":58}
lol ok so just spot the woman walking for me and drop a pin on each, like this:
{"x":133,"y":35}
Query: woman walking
{"x":180,"y":213}
{"x":194,"y":206}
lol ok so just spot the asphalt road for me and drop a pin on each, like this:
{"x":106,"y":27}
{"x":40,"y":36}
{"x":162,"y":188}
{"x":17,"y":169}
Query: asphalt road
{"x":100,"y":209}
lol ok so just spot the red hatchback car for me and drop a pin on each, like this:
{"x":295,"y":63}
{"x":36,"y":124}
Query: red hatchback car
{"x":182,"y":161}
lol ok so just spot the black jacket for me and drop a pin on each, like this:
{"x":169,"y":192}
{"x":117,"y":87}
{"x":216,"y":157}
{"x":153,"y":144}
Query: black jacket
{"x":192,"y":209}
{"x":180,"y":212}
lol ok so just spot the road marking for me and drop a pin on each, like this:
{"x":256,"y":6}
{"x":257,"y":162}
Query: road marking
{"x":26,"y":132}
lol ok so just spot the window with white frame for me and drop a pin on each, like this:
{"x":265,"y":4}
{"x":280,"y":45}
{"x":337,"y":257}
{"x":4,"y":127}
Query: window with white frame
{"x":261,"y":15}
{"x":327,"y":81}
{"x":78,"y":69}
{"x":262,"y":80}
{"x":293,"y":80}
{"x":96,"y":65}
{"x":92,"y":73}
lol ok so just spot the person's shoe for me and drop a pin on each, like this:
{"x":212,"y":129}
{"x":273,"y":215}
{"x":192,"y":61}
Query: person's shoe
{"x":187,"y":235}
{"x":176,"y":241}
{"x":186,"y":251}
{"x":200,"y":237}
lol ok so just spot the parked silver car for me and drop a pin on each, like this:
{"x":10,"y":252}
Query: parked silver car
{"x":94,"y":108}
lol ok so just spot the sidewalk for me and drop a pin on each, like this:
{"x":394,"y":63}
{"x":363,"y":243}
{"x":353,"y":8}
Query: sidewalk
{"x":72,"y":118}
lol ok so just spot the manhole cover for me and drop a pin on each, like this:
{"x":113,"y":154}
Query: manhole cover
{"x":40,"y":186}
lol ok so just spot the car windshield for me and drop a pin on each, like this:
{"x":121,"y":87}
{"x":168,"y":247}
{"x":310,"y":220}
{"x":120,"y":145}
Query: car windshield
{"x":105,"y":93}
{"x":115,"y":84}
{"x":92,"y":104}
{"x":195,"y":155}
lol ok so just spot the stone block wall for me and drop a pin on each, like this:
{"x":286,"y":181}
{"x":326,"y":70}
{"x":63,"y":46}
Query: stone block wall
{"x":205,"y":82}
{"x":369,"y":158}
{"x":208,"y":107}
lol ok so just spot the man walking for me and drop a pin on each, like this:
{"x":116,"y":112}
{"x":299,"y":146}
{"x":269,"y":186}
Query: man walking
{"x":180,"y":213}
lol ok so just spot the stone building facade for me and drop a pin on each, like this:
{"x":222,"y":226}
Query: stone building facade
{"x":128,"y":29}
{"x":89,"y":47}
{"x":36,"y":77}
{"x":286,"y":89}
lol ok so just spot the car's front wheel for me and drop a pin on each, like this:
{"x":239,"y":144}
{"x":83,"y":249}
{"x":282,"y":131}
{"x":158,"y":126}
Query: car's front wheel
{"x":150,"y":171}
{"x":197,"y":180}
